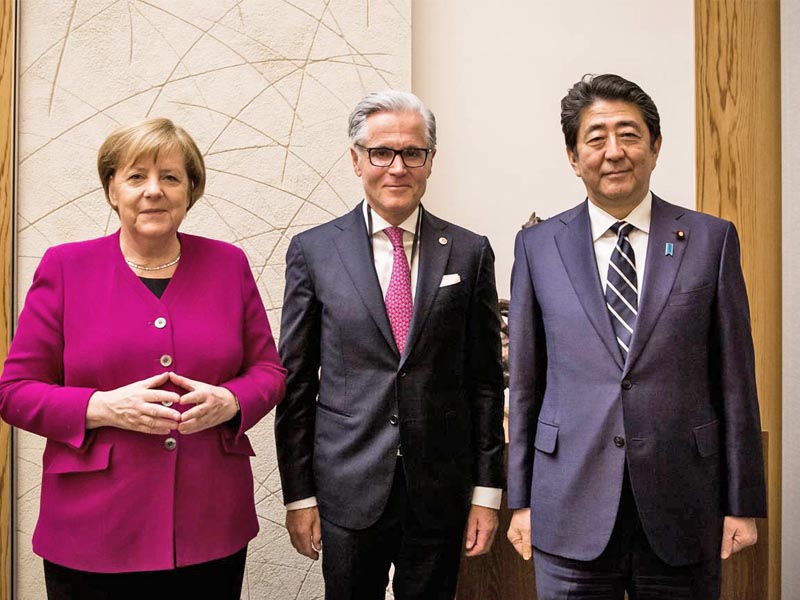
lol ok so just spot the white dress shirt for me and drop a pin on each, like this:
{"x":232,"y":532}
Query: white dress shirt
{"x":383,"y":254}
{"x":604,"y":239}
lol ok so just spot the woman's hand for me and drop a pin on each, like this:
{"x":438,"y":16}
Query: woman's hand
{"x":136,"y":406}
{"x":213,"y":404}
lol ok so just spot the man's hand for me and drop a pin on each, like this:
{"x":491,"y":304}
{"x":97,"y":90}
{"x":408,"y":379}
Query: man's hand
{"x":305,"y":531}
{"x":481,"y":526}
{"x":737,"y":533}
{"x":519,"y":532}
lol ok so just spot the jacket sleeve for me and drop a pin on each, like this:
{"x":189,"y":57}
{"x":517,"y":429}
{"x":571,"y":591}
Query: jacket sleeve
{"x":33,"y":396}
{"x":261,"y":383}
{"x":485,"y":375}
{"x":527,"y":376}
{"x":300,"y":352}
{"x":736,"y":387}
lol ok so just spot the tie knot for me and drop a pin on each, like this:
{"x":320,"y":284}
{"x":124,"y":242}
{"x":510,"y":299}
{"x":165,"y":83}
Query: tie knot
{"x":620,"y":228}
{"x":395,"y":235}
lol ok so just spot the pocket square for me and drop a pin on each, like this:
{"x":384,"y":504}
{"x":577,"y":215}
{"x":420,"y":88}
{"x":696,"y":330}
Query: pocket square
{"x":450,"y":279}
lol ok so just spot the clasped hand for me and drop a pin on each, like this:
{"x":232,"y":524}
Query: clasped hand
{"x":140,"y":407}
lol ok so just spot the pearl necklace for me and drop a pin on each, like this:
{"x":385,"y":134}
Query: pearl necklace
{"x":174,"y":261}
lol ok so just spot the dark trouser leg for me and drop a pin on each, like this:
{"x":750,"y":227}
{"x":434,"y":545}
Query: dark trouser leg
{"x":427,"y":565}
{"x":219,"y":579}
{"x":355,"y":562}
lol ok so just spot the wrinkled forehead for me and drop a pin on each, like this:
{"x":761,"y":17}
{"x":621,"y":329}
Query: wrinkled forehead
{"x":611,"y":114}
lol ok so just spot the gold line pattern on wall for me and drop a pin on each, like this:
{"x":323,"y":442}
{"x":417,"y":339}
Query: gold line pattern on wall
{"x":265,"y":89}
{"x":739,"y":178}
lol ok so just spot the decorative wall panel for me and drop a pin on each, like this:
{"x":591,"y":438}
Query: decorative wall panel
{"x":264,"y":86}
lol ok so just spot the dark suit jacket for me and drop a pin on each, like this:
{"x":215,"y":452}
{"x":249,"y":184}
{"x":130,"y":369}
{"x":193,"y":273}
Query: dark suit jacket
{"x":684,"y":403}
{"x":352,"y":399}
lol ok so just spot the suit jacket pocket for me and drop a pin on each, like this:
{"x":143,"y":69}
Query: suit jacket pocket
{"x":62,"y":459}
{"x":231,"y":445}
{"x":333,"y":411}
{"x":546,"y":437}
{"x":707,"y":438}
{"x":700,"y":294}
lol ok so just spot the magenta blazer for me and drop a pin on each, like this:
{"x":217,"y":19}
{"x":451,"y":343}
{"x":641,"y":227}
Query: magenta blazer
{"x":114,"y":500}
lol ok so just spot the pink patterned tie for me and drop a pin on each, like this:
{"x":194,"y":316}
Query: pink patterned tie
{"x":399,"y":305}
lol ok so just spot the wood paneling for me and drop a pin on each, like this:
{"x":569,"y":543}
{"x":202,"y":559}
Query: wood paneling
{"x":6,"y":220}
{"x":737,"y":64}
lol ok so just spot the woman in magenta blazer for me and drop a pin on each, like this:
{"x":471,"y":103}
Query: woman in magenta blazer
{"x":144,"y":357}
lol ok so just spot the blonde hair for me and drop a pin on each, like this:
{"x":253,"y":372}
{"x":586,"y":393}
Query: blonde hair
{"x":128,"y":144}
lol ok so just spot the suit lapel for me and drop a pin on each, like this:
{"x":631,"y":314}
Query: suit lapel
{"x":353,"y":247}
{"x":575,"y":246}
{"x":433,"y":257}
{"x":660,"y":271}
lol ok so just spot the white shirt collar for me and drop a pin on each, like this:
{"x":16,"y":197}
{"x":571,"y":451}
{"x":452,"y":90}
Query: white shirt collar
{"x":639,"y":217}
{"x":379,"y":223}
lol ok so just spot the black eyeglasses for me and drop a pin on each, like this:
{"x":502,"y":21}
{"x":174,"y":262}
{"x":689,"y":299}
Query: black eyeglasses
{"x":412,"y":158}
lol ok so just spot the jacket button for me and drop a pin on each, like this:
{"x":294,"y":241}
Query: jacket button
{"x":393,"y":420}
{"x":166,"y":360}
{"x":619,"y":441}
{"x":403,"y":373}
{"x":170,"y":444}
{"x":166,"y":403}
{"x":626,"y":384}
{"x":160,"y":323}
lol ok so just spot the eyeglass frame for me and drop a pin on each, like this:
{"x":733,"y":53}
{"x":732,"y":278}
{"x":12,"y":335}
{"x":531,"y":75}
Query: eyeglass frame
{"x":394,"y":156}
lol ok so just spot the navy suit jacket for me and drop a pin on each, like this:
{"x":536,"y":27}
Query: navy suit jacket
{"x":684,"y":402}
{"x":352,"y":399}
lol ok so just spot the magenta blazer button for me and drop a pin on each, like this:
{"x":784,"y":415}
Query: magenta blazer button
{"x":170,"y":444}
{"x":166,"y":360}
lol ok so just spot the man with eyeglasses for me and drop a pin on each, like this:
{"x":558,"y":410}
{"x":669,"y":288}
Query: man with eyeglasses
{"x":390,"y":439}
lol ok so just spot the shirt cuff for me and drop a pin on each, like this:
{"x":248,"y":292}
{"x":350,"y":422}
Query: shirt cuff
{"x":488,"y":497}
{"x":304,"y":503}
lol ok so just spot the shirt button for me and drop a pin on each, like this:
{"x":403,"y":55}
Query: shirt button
{"x":160,"y":323}
{"x":170,"y":444}
{"x":393,"y":420}
{"x":626,"y":384}
{"x":403,"y":373}
{"x":166,"y":403}
{"x":619,"y":441}
{"x":166,"y":360}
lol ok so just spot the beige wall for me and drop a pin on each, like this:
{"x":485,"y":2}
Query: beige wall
{"x":494,"y":74}
{"x":265,"y":88}
{"x":790,"y":115}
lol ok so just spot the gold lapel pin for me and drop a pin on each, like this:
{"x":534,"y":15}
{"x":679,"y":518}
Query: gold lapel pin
{"x":443,"y":241}
{"x":680,"y":234}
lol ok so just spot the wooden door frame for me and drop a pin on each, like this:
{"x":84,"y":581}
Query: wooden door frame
{"x":738,"y":137}
{"x":7,"y":95}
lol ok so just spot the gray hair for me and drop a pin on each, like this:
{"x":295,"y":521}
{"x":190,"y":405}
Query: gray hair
{"x":389,"y":101}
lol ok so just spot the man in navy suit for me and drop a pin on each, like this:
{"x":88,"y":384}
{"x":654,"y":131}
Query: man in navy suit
{"x":635,"y":458}
{"x":390,"y":439}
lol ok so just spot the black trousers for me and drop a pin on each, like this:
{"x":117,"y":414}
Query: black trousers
{"x":355,"y":563}
{"x":217,"y":579}
{"x":628,"y":564}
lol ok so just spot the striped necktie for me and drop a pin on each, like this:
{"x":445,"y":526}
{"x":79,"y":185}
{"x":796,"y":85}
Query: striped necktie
{"x":622,"y":291}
